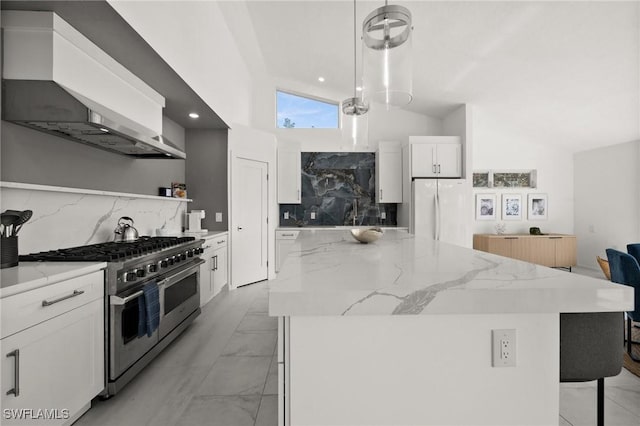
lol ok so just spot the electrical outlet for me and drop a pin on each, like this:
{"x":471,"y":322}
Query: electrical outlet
{"x":383,"y":215}
{"x":313,"y":215}
{"x":286,"y":215}
{"x":503,"y":348}
{"x":218,"y":216}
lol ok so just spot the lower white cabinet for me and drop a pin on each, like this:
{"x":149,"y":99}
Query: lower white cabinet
{"x":52,"y":370}
{"x":284,"y":240}
{"x":213,"y":273}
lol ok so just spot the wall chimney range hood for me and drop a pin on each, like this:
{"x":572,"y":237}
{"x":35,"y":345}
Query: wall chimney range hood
{"x":48,"y":107}
{"x":57,"y":81}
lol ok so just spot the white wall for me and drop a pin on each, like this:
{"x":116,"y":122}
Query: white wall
{"x":498,"y":145}
{"x":607,"y":194}
{"x":194,"y":39}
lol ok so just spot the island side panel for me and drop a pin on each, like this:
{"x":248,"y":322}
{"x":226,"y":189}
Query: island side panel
{"x":420,"y":369}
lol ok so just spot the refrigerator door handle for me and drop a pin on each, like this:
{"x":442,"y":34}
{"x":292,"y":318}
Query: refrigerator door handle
{"x":437,"y":236}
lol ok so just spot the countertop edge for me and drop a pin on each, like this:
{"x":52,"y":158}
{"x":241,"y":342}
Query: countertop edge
{"x":44,"y":279}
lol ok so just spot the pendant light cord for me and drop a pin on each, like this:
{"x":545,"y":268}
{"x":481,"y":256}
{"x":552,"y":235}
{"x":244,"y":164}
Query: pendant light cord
{"x":354,"y":49}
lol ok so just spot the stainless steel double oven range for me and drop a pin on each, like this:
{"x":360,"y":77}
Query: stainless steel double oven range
{"x":173,"y":263}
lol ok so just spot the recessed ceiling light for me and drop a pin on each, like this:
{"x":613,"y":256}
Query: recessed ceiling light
{"x":194,"y":115}
{"x":321,"y":79}
{"x":104,"y":130}
{"x":359,"y":89}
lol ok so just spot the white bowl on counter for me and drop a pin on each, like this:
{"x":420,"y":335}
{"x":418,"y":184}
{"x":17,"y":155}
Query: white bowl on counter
{"x":367,"y":235}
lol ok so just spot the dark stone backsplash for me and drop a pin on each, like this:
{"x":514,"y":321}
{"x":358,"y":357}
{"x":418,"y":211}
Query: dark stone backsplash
{"x":332,"y":182}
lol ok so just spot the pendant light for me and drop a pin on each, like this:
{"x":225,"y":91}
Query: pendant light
{"x":386,"y":56}
{"x":355,"y":108}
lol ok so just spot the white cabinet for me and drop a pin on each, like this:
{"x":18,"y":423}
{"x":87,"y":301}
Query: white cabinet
{"x":289,"y":174}
{"x":389,"y":173}
{"x":284,"y":241}
{"x":58,"y":363}
{"x":213,"y":273}
{"x":436,"y":157}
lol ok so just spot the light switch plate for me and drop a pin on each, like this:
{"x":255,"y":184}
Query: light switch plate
{"x":313,"y":215}
{"x":286,"y":215}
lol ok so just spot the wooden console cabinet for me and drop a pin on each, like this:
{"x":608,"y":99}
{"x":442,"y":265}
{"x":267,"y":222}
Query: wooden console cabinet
{"x":554,"y":250}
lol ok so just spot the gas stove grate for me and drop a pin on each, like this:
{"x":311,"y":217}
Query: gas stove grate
{"x":108,"y":252}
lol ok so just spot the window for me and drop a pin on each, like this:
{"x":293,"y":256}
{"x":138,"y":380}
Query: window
{"x":300,"y":112}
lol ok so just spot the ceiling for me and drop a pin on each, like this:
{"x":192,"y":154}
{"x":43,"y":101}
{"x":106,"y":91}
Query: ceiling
{"x":566,"y":72}
{"x":97,"y":20}
{"x":562,"y":73}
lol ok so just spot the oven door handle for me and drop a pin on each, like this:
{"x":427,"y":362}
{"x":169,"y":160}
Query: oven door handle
{"x":115,"y":300}
{"x":172,"y":279}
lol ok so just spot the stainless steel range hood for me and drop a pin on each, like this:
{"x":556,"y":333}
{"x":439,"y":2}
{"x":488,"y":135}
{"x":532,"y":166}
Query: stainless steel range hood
{"x":49,"y":107}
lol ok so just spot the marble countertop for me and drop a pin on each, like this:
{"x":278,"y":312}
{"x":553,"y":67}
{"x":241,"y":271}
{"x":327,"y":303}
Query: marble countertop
{"x":329,"y":273}
{"x":31,"y":275}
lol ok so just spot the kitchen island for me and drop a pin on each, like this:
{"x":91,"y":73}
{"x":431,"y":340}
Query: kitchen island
{"x":399,"y":332}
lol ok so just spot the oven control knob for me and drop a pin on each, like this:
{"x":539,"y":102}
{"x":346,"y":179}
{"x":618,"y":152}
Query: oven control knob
{"x":152,"y":267}
{"x":141,"y":273}
{"x":171,"y":260}
{"x":200,"y":250}
{"x":190,"y":253}
{"x":164,"y":263}
{"x":131,"y":276}
{"x":183,"y":256}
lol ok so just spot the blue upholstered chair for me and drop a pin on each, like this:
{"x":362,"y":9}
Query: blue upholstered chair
{"x":626,"y":270}
{"x":634,"y":250}
{"x":591,"y":348}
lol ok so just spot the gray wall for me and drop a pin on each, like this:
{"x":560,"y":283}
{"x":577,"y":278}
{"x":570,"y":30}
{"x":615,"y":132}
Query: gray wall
{"x":30,"y":156}
{"x":207,"y":175}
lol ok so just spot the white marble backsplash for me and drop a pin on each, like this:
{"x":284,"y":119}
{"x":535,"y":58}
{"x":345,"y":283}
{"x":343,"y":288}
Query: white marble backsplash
{"x":69,"y":219}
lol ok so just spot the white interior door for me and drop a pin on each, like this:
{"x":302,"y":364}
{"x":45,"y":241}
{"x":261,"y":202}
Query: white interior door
{"x":249,"y":223}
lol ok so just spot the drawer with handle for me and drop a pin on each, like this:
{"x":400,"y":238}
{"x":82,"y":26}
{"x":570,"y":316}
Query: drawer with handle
{"x":26,"y":309}
{"x":287,"y":235}
{"x":216,"y":242}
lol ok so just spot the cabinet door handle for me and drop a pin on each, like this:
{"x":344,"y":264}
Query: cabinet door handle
{"x":555,"y":238}
{"x":438,"y":168}
{"x":298,"y":195}
{"x":16,"y":373}
{"x":221,"y":242}
{"x":433,"y":168}
{"x":74,"y":294}
{"x":380,"y":194}
{"x":510,"y":238}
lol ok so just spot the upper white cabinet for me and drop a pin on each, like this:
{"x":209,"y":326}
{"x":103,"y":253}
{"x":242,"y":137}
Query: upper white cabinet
{"x":389,"y":172}
{"x":436,"y":156}
{"x":289,"y":173}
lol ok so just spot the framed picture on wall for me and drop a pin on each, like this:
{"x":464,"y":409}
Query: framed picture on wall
{"x":537,"y":207}
{"x":511,"y":207}
{"x":485,"y":206}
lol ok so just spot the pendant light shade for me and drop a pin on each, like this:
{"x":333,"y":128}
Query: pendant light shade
{"x":386,"y":55}
{"x":355,"y":108}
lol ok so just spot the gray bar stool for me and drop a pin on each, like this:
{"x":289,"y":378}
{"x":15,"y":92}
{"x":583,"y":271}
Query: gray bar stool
{"x":591,"y":348}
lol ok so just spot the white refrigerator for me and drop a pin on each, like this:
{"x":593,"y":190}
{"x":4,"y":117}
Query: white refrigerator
{"x":442,"y":209}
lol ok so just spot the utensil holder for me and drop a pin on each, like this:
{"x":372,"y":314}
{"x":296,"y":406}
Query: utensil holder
{"x":8,"y":252}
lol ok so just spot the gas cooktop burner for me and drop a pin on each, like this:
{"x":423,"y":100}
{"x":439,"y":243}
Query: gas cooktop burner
{"x":108,"y":252}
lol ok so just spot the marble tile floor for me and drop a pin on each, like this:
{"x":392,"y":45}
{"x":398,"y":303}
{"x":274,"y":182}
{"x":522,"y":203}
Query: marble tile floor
{"x":222,"y":371}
